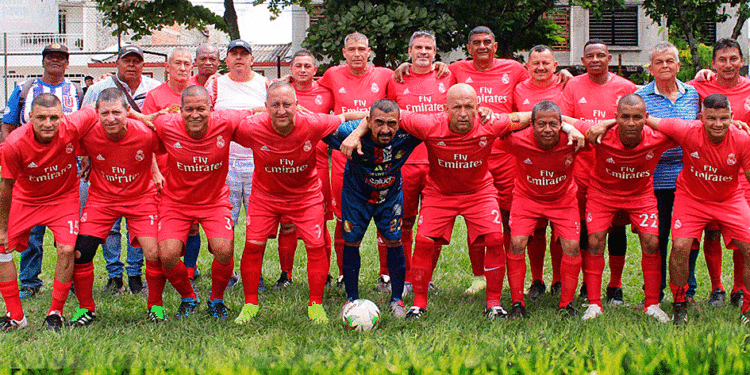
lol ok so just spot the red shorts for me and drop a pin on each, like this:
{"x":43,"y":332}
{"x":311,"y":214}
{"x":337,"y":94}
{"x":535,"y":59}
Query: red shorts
{"x":264,"y":217}
{"x":142,"y":216}
{"x":321,"y":158}
{"x":413,"y":181}
{"x":175,"y":219}
{"x":60,"y":217}
{"x":503,"y":170}
{"x":602,"y":213}
{"x":690,"y":217}
{"x":338,"y":164}
{"x":480,"y":212}
{"x":526,"y":213}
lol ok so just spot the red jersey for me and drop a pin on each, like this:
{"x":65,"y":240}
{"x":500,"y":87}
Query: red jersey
{"x":586,"y":100}
{"x":46,"y":172}
{"x":285,"y":164}
{"x":193,"y":81}
{"x":120,"y":171}
{"x":318,"y":99}
{"x":197,"y":168}
{"x":544,"y":175}
{"x":420,"y":93}
{"x":162,"y":97}
{"x":494,"y":86}
{"x":739,"y":95}
{"x":355,"y":93}
{"x":458,"y":162}
{"x":527,"y":94}
{"x":626,"y":172}
{"x":709,"y":171}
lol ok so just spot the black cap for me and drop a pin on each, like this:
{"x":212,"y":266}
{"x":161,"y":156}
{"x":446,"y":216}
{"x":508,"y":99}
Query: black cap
{"x":240,"y":43}
{"x":55,"y":47}
{"x":130,"y":49}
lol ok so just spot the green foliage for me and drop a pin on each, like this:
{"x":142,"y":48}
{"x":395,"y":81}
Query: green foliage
{"x":141,"y":17}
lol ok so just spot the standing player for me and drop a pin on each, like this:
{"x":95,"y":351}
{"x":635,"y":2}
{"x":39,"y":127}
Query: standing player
{"x":317,"y":99}
{"x":207,"y":61}
{"x":593,"y":96}
{"x":372,"y":190}
{"x":727,"y":61}
{"x":421,"y":92}
{"x":40,"y":187}
{"x":544,"y":191}
{"x":707,"y":190}
{"x":543,"y":84}
{"x":121,"y":153}
{"x":355,"y":86}
{"x":286,"y":188}
{"x":621,"y":185}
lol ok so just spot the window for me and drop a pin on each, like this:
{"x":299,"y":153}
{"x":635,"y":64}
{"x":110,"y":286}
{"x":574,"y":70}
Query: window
{"x":61,"y":22}
{"x":616,"y":28}
{"x":561,"y":16}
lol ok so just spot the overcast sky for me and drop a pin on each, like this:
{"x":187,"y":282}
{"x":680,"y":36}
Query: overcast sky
{"x":255,"y":24}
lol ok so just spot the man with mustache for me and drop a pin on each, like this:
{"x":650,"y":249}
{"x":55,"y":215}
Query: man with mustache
{"x":207,"y":61}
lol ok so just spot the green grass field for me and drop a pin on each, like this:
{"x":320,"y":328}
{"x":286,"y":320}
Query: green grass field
{"x":453,"y":337}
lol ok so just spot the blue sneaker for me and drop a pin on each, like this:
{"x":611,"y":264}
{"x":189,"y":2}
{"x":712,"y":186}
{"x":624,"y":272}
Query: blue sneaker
{"x":27,"y":292}
{"x":187,"y":306}
{"x":217,"y":309}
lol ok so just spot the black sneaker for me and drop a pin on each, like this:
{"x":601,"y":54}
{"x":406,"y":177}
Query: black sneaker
{"x":517,"y":311}
{"x":187,"y":306}
{"x":555,"y":289}
{"x":414,"y":312}
{"x":536,"y":289}
{"x":680,"y":313}
{"x":736,"y":298}
{"x":114,"y":285}
{"x":217,"y":309}
{"x":233,"y":280}
{"x":7,"y":324}
{"x":583,"y":293}
{"x":614,"y":296}
{"x":283,"y":281}
{"x":567,"y":311}
{"x":261,"y":286}
{"x":136,"y":284}
{"x":717,"y":298}
{"x":329,"y":280}
{"x":54,"y":322}
{"x":82,"y":317}
{"x":26,"y":292}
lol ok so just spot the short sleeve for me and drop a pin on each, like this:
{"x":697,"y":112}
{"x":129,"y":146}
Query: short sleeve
{"x":501,"y":125}
{"x":566,"y":101}
{"x":243,"y":132}
{"x":149,"y":105}
{"x":326,"y":80}
{"x":418,"y":125}
{"x":10,"y":163}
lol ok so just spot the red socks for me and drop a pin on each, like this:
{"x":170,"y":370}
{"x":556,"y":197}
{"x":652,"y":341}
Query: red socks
{"x":83,"y":277}
{"x":9,"y":290}
{"x":382,"y":256}
{"x":317,"y":272}
{"x":678,"y":292}
{"x":651,"y":264}
{"x":156,"y":282}
{"x":476,"y":256}
{"x":60,"y":292}
{"x":287,"y":248}
{"x":177,"y":276}
{"x":570,"y":268}
{"x":220,"y":275}
{"x":251,"y":266}
{"x":421,"y":269}
{"x":494,"y":271}
{"x":516,"y":275}
{"x":593,"y":267}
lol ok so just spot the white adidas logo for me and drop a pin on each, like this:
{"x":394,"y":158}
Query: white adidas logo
{"x":526,"y":101}
{"x":177,"y":145}
{"x":695,"y":155}
{"x":264,"y":148}
{"x":407,"y":92}
{"x":441,"y":143}
{"x":527,"y":161}
{"x":342,"y":91}
{"x":582,"y":101}
{"x":32,"y":165}
{"x":469,"y":80}
{"x":100,"y":157}
{"x":610,"y":160}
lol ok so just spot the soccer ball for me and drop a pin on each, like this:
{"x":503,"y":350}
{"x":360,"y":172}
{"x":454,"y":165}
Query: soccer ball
{"x":361,"y":315}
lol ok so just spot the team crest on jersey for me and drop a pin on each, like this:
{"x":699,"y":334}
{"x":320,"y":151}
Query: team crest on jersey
{"x":589,"y":218}
{"x":84,"y":217}
{"x":374,"y":88}
{"x":308,"y":146}
{"x":69,"y":148}
{"x":399,"y":154}
{"x":220,"y":143}
{"x":482,"y":141}
{"x":319,"y":100}
{"x":650,"y":155}
{"x":505,"y":78}
{"x":677,"y":224}
{"x":731,"y":159}
{"x":139,"y":156}
{"x":68,"y":101}
{"x":569,"y":160}
{"x":441,"y":88}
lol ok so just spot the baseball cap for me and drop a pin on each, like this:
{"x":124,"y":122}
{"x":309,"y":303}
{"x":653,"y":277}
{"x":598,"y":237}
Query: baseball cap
{"x":55,"y":47}
{"x":239,"y":43}
{"x":127,"y":50}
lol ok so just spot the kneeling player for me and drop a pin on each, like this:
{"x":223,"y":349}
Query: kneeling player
{"x":372,"y":190}
{"x":544,"y":189}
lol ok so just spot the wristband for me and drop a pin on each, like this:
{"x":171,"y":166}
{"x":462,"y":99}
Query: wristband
{"x":567,"y":128}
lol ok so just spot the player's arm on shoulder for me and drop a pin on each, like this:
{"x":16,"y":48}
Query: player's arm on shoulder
{"x":398,"y":73}
{"x":350,"y":116}
{"x":148,"y":120}
{"x":340,"y":133}
{"x":6,"y":191}
{"x":594,"y":131}
{"x":741,"y":125}
{"x":156,"y":174}
{"x":704,"y":75}
{"x":519,"y":120}
{"x":564,"y":76}
{"x":574,"y":136}
{"x":354,"y":140}
{"x":6,"y":129}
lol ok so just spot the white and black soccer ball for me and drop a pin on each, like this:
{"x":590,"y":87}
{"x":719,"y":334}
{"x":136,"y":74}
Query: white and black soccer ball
{"x":361,"y":315}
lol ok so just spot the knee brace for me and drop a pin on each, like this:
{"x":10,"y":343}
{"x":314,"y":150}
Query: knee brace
{"x":87,"y":246}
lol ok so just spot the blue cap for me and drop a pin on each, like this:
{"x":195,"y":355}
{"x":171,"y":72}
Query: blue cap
{"x":241,"y":44}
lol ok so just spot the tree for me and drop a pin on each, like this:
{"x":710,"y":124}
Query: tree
{"x":743,"y":14}
{"x":140,"y":18}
